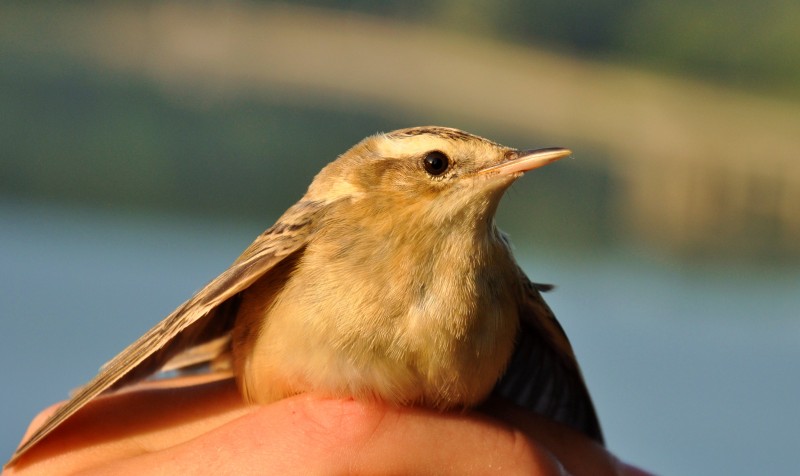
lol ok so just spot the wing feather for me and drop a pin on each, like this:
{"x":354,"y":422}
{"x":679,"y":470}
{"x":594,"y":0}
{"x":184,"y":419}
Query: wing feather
{"x":196,"y":321}
{"x":543,"y":374}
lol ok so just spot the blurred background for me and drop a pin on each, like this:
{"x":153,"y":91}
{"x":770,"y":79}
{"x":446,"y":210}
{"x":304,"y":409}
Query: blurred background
{"x":143,"y":145}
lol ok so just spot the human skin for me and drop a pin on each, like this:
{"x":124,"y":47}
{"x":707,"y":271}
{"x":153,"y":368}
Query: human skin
{"x":205,"y":428}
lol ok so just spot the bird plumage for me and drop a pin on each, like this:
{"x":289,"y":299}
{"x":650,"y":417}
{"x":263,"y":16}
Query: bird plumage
{"x":387,"y":280}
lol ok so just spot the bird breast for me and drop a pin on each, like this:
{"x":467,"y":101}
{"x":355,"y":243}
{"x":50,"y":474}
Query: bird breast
{"x":377,"y":317}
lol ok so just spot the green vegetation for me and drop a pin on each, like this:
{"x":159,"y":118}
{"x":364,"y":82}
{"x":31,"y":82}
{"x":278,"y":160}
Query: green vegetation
{"x":106,"y":141}
{"x":87,"y":120}
{"x":739,"y":43}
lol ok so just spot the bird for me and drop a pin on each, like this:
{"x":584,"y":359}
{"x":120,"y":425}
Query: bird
{"x":388,"y":280}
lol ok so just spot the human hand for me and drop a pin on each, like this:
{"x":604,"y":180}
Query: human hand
{"x":172,"y":428}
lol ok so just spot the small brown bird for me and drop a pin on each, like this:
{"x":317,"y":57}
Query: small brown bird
{"x":388,"y":280}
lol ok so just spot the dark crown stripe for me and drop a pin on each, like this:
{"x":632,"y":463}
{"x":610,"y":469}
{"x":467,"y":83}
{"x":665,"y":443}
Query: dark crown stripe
{"x":443,"y":132}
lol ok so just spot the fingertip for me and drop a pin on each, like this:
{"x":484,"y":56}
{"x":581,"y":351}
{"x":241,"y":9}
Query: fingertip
{"x":39,"y":420}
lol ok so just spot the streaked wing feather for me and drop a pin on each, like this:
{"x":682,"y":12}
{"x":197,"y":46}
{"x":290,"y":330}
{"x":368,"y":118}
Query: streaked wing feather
{"x":198,"y":355}
{"x":543,"y":374}
{"x":195,"y":321}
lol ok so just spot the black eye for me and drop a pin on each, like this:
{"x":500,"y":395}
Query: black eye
{"x":435,"y":163}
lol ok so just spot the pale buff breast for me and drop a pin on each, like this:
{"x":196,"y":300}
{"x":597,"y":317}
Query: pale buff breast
{"x":437,"y":332}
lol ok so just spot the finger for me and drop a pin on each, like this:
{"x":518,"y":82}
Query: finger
{"x":579,"y":454}
{"x":130,"y":423}
{"x":310,"y":435}
{"x":39,"y":419}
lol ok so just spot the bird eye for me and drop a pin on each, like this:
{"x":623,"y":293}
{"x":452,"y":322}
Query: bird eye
{"x":435,"y":163}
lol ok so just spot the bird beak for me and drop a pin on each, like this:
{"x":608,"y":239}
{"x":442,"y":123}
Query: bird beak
{"x":525,"y":160}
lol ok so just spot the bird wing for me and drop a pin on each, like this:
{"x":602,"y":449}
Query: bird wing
{"x":543,"y":374}
{"x":207,"y":315}
{"x":213,"y":356}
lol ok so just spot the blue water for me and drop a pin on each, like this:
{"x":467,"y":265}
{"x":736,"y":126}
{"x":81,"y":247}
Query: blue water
{"x":694,"y":370}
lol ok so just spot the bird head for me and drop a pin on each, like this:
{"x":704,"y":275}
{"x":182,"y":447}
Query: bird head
{"x":437,"y":172}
